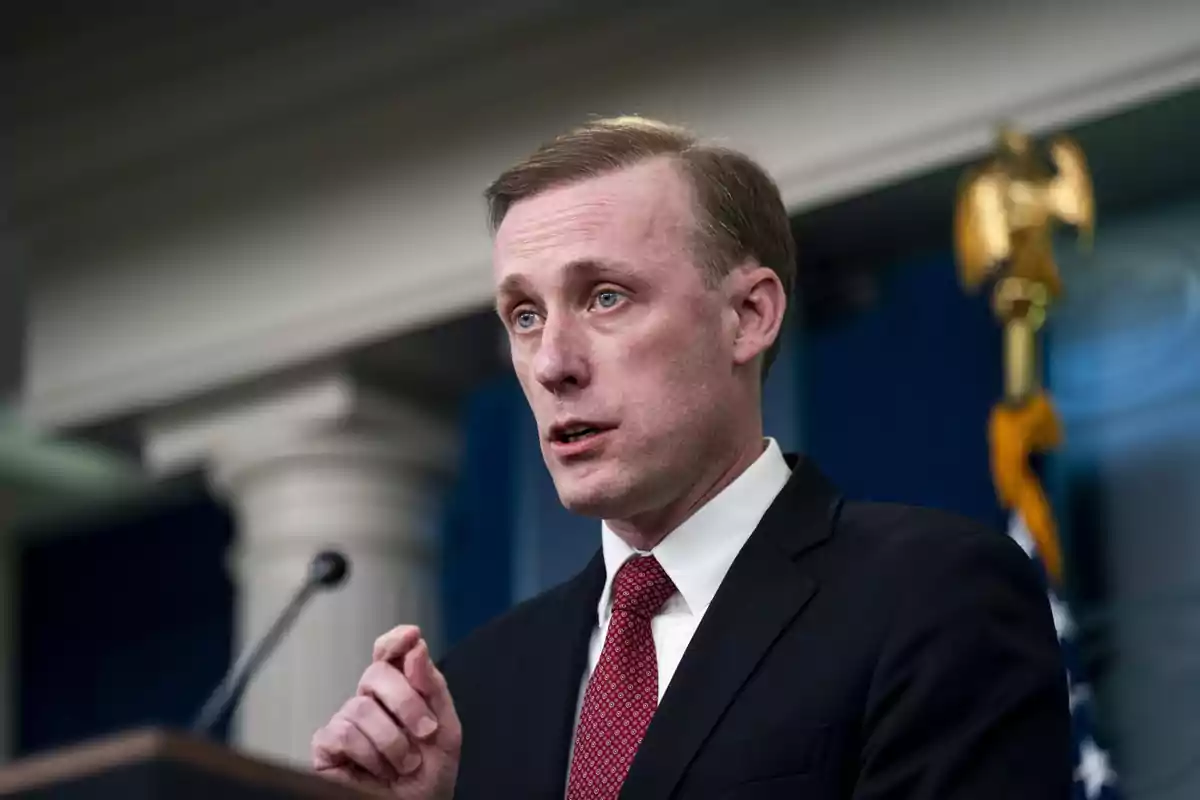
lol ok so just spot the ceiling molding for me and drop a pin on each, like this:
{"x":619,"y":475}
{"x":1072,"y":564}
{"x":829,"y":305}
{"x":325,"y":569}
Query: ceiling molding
{"x":364,"y":224}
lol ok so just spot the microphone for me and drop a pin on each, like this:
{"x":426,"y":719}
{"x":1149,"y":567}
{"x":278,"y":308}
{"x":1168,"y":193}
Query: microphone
{"x":327,"y":570}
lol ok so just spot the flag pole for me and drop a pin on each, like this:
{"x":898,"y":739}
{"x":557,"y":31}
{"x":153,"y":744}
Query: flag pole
{"x":1003,"y":219}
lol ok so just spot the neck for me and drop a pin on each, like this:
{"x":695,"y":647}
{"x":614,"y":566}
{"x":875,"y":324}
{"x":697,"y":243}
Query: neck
{"x":645,"y":530}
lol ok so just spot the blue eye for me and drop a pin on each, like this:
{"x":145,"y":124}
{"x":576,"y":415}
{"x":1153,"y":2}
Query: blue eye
{"x":608,"y":298}
{"x":526,"y":320}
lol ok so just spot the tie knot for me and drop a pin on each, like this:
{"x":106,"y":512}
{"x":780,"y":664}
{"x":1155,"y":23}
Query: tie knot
{"x":641,"y":586}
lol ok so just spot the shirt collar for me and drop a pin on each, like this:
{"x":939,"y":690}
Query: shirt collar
{"x":698,"y":553}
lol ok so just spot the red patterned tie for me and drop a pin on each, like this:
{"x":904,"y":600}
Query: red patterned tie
{"x":622,"y":693}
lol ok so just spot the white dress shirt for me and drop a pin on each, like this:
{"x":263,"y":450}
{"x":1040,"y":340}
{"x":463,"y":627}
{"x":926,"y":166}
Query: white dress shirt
{"x":696,"y":556}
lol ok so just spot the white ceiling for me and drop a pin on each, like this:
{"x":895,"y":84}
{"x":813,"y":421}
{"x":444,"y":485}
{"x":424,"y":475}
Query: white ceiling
{"x":1140,"y":155}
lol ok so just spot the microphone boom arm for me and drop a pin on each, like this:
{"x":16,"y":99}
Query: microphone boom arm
{"x":327,"y":570}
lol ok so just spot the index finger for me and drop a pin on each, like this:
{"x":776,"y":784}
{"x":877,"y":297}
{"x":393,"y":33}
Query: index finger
{"x":396,"y":643}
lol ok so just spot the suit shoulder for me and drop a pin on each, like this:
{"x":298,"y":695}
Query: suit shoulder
{"x":899,"y":519}
{"x":920,"y":542}
{"x":896,"y":526}
{"x":931,"y":573}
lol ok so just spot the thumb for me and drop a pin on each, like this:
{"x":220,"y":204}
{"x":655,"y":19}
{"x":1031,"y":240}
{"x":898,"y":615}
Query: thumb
{"x":425,"y":677}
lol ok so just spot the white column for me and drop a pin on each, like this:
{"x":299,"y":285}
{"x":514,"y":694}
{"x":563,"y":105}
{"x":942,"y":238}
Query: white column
{"x":320,"y":465}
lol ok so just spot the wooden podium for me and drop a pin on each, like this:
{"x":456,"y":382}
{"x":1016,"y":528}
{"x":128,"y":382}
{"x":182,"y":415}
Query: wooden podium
{"x":158,"y":764}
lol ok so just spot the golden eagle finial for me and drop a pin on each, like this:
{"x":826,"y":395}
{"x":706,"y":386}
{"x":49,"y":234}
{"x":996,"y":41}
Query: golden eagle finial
{"x":1007,"y":207}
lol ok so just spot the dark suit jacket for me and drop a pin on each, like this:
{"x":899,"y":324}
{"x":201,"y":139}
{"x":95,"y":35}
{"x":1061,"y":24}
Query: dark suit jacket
{"x":852,"y":651}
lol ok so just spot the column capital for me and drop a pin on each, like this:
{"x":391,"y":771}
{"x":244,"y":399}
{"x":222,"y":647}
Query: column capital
{"x":319,"y":417}
{"x":312,"y":462}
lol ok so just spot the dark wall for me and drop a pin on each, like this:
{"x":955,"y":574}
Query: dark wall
{"x":123,"y":623}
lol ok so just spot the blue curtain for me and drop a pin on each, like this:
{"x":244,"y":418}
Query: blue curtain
{"x":896,"y":397}
{"x":477,"y":520}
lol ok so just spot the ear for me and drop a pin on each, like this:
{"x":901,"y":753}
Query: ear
{"x":758,"y":299}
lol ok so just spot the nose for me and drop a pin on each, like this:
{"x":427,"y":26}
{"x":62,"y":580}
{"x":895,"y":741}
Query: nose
{"x":561,"y":362}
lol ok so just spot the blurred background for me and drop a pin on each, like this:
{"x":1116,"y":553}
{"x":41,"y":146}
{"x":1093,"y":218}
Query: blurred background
{"x":244,"y":315}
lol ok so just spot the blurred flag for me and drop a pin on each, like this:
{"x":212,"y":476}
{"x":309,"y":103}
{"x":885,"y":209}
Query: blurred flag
{"x":1094,"y":775}
{"x":1005,"y":213}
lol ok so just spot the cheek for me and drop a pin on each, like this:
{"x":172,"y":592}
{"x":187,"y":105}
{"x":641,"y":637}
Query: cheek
{"x":674,"y":370}
{"x":691,"y":349}
{"x":520,"y":363}
{"x":523,"y":370}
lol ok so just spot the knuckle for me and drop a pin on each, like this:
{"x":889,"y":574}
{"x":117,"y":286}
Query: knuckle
{"x":371,"y":675}
{"x":396,"y":745}
{"x":325,"y":737}
{"x":342,"y":735}
{"x":412,"y":708}
{"x":387,"y":685}
{"x":358,"y":707}
{"x":318,"y":744}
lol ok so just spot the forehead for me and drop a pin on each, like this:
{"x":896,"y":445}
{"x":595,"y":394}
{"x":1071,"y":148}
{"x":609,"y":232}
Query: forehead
{"x":645,"y":210}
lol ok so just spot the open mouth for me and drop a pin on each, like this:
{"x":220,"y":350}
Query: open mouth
{"x":575,"y":432}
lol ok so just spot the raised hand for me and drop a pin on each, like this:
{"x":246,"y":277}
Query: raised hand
{"x":400,"y":732}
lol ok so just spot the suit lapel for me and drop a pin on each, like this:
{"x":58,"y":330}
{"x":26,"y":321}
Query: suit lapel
{"x":554,"y":678}
{"x":763,"y":592}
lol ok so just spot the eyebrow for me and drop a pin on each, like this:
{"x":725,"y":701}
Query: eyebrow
{"x":593,"y":268}
{"x":512,"y":284}
{"x":580,"y":269}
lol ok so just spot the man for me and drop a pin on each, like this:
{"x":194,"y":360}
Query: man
{"x":743,"y":631}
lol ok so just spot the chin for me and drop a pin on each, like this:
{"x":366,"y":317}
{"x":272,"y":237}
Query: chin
{"x":598,"y":496}
{"x":600,"y":505}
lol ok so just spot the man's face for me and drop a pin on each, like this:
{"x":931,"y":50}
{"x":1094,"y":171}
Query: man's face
{"x":624,"y":354}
